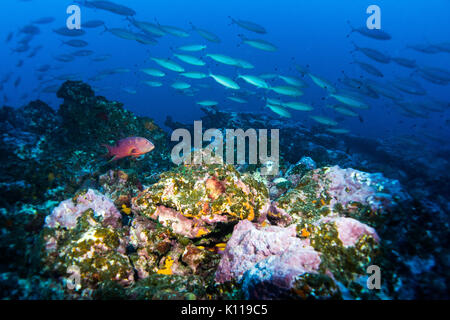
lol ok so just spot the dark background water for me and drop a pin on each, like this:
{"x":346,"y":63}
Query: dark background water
{"x":314,"y":33}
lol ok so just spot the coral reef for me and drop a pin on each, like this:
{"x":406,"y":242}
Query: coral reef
{"x":74,"y":225}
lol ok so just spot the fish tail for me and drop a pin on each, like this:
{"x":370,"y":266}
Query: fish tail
{"x":356,"y":47}
{"x":351,"y":27}
{"x":109,"y":148}
{"x":106,"y":29}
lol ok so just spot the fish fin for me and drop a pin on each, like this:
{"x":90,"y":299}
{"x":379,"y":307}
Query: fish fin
{"x":113,"y":159}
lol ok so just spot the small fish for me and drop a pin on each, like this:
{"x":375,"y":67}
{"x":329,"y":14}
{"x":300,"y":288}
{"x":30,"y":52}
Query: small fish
{"x":154,"y":84}
{"x":424,"y":48}
{"x":225,"y":81}
{"x":250,"y":26}
{"x":175,"y":31}
{"x":287,"y":90}
{"x":121,"y":33}
{"x":373,"y":54}
{"x":408,"y":63}
{"x":350,"y":101}
{"x":293,"y":81}
{"x":148,"y":27}
{"x":180,"y":85}
{"x":131,"y":146}
{"x":30,"y":29}
{"x":43,"y":68}
{"x":9,"y":37}
{"x":254,"y":80}
{"x":343,"y":111}
{"x":190,"y":59}
{"x":338,"y":131}
{"x":82,"y":53}
{"x":409,"y":86}
{"x":75,"y":43}
{"x":437,"y":73}
{"x":208,"y":103}
{"x":244,"y":64}
{"x":221,"y":58}
{"x":130,"y":90}
{"x":168,"y":64}
{"x":64,"y":58}
{"x":280,"y":111}
{"x":44,"y":20}
{"x":237,"y":99}
{"x":92,"y":24}
{"x":259,"y":44}
{"x":111,"y":7}
{"x":371,"y":33}
{"x":192,"y":47}
{"x":153,"y":72}
{"x":102,"y":57}
{"x":145,"y":39}
{"x":64,"y":31}
{"x":206,"y":34}
{"x":369,"y":69}
{"x":299,"y":106}
{"x":194,"y":75}
{"x":324,"y":120}
{"x":322,"y":83}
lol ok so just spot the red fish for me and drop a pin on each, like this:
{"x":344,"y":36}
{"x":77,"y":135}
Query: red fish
{"x":132,"y":146}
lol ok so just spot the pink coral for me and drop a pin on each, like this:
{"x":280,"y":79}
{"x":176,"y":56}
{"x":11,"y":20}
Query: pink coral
{"x":345,"y":186}
{"x":249,"y":245}
{"x":351,"y":230}
{"x":66,"y":214}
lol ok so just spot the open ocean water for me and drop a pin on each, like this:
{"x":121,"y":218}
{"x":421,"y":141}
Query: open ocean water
{"x":98,"y":99}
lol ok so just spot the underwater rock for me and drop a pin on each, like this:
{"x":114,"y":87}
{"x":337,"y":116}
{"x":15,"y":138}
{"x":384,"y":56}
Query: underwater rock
{"x":169,"y":287}
{"x":249,"y":245}
{"x":193,"y":200}
{"x":351,"y":230}
{"x":348,"y":247}
{"x":84,"y":239}
{"x":285,"y":277}
{"x":158,"y":250}
{"x":120,"y":187}
{"x":336,"y":191}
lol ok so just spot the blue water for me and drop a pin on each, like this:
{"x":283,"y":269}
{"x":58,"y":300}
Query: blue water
{"x":313,"y":32}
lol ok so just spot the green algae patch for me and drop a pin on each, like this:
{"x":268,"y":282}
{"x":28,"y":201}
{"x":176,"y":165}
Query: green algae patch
{"x":210,"y":192}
